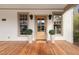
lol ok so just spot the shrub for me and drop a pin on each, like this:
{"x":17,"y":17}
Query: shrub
{"x":28,"y":32}
{"x":76,"y":36}
{"x":52,"y":32}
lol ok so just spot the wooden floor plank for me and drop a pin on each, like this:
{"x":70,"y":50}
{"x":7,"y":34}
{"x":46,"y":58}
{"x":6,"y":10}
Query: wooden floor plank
{"x":68,"y":47}
{"x":18,"y":48}
{"x":56,"y":49}
{"x":40,"y":48}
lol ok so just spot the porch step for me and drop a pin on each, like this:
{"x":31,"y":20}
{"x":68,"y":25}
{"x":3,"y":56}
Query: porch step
{"x":40,"y":41}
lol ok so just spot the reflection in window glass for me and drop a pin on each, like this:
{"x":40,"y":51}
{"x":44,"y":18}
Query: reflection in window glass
{"x":38,"y":22}
{"x":42,"y":28}
{"x":23,"y":23}
{"x":58,"y":23}
{"x":41,"y":23}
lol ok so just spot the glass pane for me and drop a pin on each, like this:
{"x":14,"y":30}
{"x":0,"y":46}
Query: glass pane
{"x":58,"y":17}
{"x":57,"y":29}
{"x":23,"y":29}
{"x":20,"y":15}
{"x":42,"y":28}
{"x":38,"y":22}
{"x":20,"y":19}
{"x":42,"y":22}
{"x":38,"y":25}
{"x":23,"y":23}
{"x":38,"y":28}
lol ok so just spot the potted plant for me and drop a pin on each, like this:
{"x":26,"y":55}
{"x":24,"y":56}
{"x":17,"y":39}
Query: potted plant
{"x":51,"y":32}
{"x":29,"y":32}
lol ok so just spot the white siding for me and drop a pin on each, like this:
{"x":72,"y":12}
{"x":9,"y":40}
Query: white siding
{"x":68,"y":25}
{"x":9,"y":28}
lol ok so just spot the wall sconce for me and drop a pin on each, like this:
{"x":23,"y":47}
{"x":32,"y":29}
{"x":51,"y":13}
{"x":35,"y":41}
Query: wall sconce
{"x":50,"y":16}
{"x":31,"y":16}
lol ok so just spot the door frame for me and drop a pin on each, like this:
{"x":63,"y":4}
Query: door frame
{"x":45,"y":25}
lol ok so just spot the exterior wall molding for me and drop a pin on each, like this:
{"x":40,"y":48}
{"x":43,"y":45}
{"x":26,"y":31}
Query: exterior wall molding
{"x":31,"y":9}
{"x":69,"y":6}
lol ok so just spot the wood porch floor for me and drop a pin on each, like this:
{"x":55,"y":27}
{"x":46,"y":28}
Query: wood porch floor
{"x":24,"y":48}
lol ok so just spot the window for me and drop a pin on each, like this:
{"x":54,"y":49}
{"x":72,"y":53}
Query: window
{"x":58,"y":23}
{"x":23,"y":22}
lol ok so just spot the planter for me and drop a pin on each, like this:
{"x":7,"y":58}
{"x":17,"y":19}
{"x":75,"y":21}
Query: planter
{"x":30,"y":37}
{"x":28,"y":33}
{"x":52,"y":38}
{"x":52,"y":32}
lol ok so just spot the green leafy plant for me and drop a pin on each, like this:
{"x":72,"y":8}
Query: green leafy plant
{"x":52,"y":32}
{"x":28,"y":32}
{"x":76,"y":36}
{"x":76,"y":28}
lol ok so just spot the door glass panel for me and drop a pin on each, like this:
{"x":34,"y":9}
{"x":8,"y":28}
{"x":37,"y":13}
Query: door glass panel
{"x":42,"y":28}
{"x":40,"y":24}
{"x":42,"y":21}
{"x":38,"y":28}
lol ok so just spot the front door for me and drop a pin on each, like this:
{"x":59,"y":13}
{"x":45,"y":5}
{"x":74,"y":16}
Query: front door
{"x":41,"y":27}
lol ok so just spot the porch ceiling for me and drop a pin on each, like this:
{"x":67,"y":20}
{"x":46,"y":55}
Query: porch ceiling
{"x":34,"y":6}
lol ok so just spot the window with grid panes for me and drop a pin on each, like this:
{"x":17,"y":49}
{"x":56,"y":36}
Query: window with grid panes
{"x":58,"y":23}
{"x":23,"y":22}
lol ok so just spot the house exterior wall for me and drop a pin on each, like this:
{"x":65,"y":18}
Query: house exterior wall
{"x":68,"y":25}
{"x":9,"y":28}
